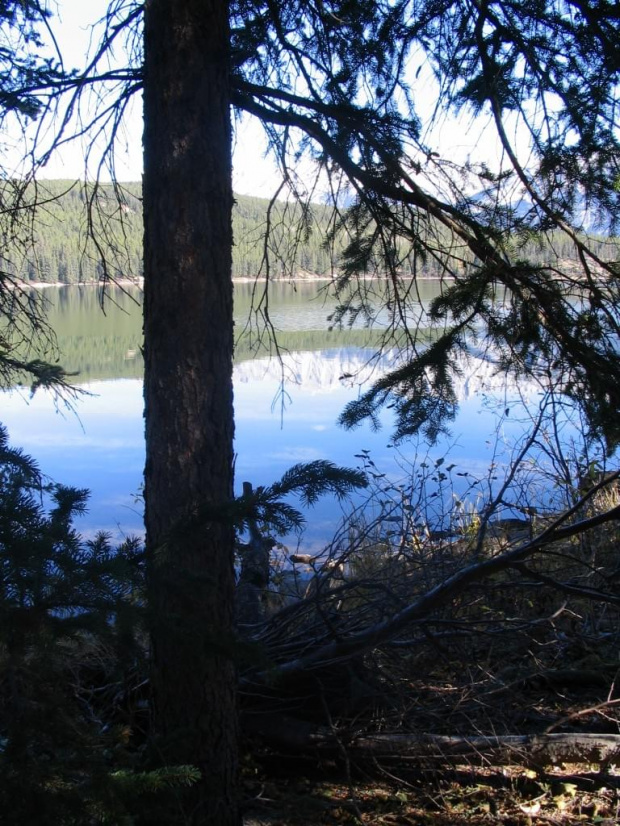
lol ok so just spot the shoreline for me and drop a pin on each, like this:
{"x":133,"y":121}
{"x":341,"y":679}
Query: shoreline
{"x":236,"y":279}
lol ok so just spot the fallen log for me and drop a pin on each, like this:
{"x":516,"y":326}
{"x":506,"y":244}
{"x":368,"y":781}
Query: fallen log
{"x":533,"y":750}
{"x":536,"y":750}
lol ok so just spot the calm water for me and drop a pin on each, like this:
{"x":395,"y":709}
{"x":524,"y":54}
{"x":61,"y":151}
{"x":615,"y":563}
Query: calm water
{"x":100,"y":444}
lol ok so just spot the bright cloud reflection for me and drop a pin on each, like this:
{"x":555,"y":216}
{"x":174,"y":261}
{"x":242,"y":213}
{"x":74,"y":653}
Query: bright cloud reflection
{"x":101,"y":445}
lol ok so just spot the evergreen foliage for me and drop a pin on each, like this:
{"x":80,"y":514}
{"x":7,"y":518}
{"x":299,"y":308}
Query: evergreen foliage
{"x":69,"y":650}
{"x":27,"y":345}
{"x":72,"y":647}
{"x":308,"y":481}
{"x":346,"y":78}
{"x":21,"y":73}
{"x":422,"y":395}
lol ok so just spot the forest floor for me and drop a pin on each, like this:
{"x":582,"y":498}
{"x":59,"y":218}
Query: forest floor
{"x":494,"y":796}
{"x":284,"y":788}
{"x":506,"y":798}
{"x":505,"y":659}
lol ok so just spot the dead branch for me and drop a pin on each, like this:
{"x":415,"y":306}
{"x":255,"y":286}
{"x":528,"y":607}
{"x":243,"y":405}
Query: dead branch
{"x":343,"y":647}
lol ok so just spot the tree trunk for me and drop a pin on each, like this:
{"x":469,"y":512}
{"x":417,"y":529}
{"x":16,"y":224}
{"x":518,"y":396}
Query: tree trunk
{"x":253,"y":583}
{"x":188,"y":332}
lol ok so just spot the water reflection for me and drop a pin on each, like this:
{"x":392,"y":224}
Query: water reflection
{"x":101,"y":444}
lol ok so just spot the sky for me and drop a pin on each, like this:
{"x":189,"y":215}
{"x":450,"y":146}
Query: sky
{"x":253,"y":173}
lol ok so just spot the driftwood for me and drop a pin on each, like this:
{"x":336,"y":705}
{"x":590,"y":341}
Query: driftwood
{"x":314,"y":646}
{"x":365,"y":638}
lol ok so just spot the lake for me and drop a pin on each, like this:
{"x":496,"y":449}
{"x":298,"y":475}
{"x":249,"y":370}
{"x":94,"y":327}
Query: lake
{"x":285,"y":413}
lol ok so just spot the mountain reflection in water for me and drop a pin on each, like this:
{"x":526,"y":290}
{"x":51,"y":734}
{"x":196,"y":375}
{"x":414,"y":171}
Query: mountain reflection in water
{"x":101,"y":445}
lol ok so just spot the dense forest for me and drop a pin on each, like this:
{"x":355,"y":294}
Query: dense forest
{"x":69,"y":239}
{"x":66,"y":235}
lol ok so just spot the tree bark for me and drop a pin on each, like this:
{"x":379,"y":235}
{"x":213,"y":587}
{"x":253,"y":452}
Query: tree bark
{"x":188,"y":342}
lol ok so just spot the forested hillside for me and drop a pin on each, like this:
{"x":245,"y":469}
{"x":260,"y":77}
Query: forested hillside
{"x":65,"y":252}
{"x":71,"y":240}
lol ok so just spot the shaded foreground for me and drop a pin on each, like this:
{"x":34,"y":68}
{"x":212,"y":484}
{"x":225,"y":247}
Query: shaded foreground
{"x":461,"y":679}
{"x":468,"y":776}
{"x":405,"y":677}
{"x":511,"y":796}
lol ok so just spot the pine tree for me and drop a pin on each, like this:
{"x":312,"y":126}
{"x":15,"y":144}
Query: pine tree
{"x":69,"y":653}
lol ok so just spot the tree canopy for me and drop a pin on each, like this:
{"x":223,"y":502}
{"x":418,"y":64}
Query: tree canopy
{"x":545,"y":75}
